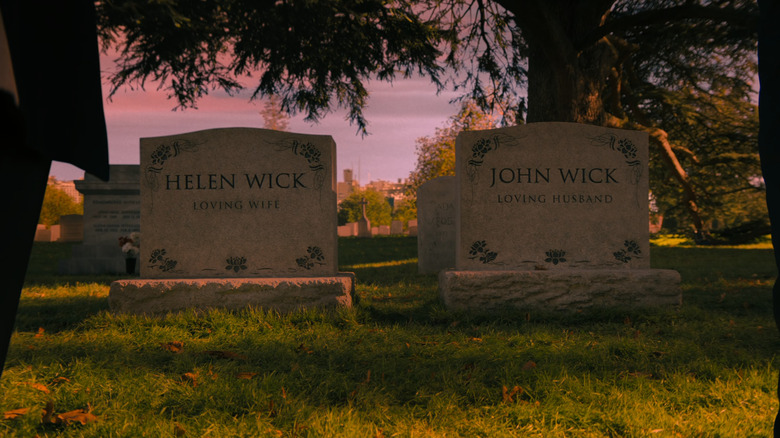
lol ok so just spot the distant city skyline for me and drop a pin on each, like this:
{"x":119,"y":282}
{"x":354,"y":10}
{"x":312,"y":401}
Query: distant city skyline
{"x":397,"y":113}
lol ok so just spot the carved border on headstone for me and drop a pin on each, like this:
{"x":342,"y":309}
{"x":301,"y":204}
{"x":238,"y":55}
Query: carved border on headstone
{"x":625,"y":147}
{"x":312,"y":155}
{"x":481,"y":148}
{"x":163,"y":153}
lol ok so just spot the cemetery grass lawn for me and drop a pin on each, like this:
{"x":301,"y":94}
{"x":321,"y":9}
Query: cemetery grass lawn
{"x":399,"y":364}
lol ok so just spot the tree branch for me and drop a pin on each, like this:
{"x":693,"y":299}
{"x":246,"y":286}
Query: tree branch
{"x":654,"y":17}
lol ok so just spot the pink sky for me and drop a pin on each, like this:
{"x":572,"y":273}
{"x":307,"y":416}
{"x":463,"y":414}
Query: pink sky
{"x":397,"y":115}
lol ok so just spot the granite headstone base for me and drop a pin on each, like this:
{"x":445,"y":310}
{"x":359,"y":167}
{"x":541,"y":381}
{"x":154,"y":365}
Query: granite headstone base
{"x":156,"y":296}
{"x":567,"y":291}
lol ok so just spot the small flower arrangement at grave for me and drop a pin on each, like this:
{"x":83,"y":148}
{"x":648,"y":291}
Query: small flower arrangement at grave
{"x":130,"y":245}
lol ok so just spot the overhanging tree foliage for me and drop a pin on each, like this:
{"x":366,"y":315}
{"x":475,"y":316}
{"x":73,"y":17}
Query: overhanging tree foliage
{"x":618,"y":63}
{"x":436,"y":154}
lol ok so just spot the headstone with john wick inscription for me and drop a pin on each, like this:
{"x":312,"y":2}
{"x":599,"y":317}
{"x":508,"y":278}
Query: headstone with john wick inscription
{"x":234,"y":217}
{"x":554,"y":215}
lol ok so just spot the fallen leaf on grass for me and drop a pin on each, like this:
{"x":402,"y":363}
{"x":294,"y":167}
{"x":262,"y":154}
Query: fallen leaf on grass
{"x":77,"y":416}
{"x":178,"y":430}
{"x":224,"y":354}
{"x":529,"y":365}
{"x":508,"y":396}
{"x":246,"y":376}
{"x":38,"y":386}
{"x":190,"y":378}
{"x":40,"y":332}
{"x":16,"y":413}
{"x":304,"y":349}
{"x":58,"y":380}
{"x":173,"y":346}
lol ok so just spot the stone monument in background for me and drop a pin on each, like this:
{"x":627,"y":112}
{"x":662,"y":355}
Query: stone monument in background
{"x":436,"y":200}
{"x":111,"y":210}
{"x":236,"y":217}
{"x":554,"y":216}
{"x":363,"y":224}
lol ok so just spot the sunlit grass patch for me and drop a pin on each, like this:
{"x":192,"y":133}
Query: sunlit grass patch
{"x":400,"y":364}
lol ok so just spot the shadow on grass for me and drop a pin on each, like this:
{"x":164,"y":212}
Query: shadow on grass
{"x":57,"y":314}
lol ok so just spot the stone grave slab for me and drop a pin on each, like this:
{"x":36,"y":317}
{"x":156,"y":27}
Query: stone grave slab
{"x":72,"y":228}
{"x":550,"y":197}
{"x":412,"y":227}
{"x":436,"y":201}
{"x":42,"y":234}
{"x":111,"y":211}
{"x":396,"y":228}
{"x":55,"y":233}
{"x":348,"y":229}
{"x":384,"y":230}
{"x":237,"y":209}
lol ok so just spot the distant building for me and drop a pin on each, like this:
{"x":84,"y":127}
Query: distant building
{"x":69,"y":187}
{"x":394,"y":192}
{"x":347,"y":187}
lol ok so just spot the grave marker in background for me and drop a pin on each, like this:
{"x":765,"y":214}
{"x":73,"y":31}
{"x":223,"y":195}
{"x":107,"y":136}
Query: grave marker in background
{"x":111,"y":210}
{"x":72,"y":228}
{"x":436,"y":211}
{"x":364,"y":225}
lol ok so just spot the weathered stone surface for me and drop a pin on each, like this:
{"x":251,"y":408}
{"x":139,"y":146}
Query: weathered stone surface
{"x":238,"y":202}
{"x":348,"y":230}
{"x":281,"y":294}
{"x":72,"y":228}
{"x":436,"y":212}
{"x":111,"y":211}
{"x":560,"y":290}
{"x":552,"y":196}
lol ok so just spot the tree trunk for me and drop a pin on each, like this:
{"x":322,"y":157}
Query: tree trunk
{"x":568,"y":83}
{"x":568,"y":93}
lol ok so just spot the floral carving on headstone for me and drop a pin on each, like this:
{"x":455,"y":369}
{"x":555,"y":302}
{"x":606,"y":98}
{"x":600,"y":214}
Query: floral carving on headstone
{"x":159,"y":261}
{"x":314,"y":256}
{"x":312,"y":154}
{"x":625,"y":147}
{"x":555,"y":256}
{"x":163,"y":153}
{"x":235,"y":264}
{"x":478,"y":152}
{"x":630,"y":250}
{"x":480,"y":251}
